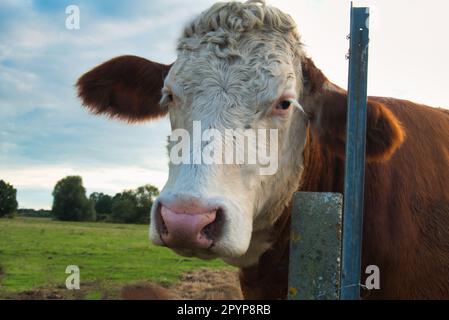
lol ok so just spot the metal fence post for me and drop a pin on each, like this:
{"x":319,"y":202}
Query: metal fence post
{"x":355,"y":155}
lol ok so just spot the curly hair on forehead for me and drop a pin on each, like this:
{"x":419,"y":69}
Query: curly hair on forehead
{"x":222,"y":26}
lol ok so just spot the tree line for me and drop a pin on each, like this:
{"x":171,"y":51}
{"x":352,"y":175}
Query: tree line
{"x":70,"y":203}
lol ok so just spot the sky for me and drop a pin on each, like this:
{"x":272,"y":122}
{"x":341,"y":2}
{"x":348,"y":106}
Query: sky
{"x":45,"y":134}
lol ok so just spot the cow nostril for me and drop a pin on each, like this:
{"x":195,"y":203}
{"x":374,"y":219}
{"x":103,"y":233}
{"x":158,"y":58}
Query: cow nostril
{"x":213,"y":230}
{"x":160,"y":223}
{"x":163,"y":227}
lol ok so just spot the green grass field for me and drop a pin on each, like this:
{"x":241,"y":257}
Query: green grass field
{"x":35,"y":252}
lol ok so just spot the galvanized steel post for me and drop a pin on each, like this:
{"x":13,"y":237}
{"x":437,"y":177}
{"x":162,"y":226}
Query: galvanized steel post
{"x":355,"y":155}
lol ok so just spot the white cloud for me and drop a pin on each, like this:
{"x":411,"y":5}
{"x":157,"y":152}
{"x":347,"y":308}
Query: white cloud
{"x":22,"y":81}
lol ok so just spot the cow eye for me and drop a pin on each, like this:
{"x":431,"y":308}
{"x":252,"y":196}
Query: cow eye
{"x":284,"y":105}
{"x":167,"y":97}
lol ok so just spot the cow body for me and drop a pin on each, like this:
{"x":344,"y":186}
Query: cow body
{"x":406,"y":213}
{"x":240,"y":66}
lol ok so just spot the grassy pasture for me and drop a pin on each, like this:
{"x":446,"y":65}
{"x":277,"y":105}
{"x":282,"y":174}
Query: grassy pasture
{"x":34,"y":253}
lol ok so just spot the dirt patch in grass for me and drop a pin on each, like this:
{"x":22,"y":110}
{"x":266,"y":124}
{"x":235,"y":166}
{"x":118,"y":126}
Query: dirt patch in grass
{"x":201,"y":284}
{"x":206,"y":284}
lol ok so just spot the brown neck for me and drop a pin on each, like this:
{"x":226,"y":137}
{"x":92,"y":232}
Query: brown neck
{"x":323,"y":169}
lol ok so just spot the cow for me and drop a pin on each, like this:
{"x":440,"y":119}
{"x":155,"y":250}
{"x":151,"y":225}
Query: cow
{"x":243,"y":66}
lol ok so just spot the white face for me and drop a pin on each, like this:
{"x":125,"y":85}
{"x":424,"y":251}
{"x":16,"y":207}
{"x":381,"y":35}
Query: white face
{"x":224,"y":209}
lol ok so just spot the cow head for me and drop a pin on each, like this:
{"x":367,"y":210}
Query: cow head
{"x":241,"y":73}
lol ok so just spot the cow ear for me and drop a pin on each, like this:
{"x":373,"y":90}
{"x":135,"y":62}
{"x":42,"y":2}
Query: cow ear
{"x":126,"y":87}
{"x":328,"y":108}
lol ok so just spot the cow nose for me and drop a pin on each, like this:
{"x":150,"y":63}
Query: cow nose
{"x":196,"y":228}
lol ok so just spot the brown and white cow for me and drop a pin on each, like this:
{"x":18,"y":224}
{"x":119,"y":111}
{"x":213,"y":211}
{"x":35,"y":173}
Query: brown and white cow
{"x":242,"y":66}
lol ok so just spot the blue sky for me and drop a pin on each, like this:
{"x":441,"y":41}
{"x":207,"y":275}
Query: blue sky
{"x":45,"y":134}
